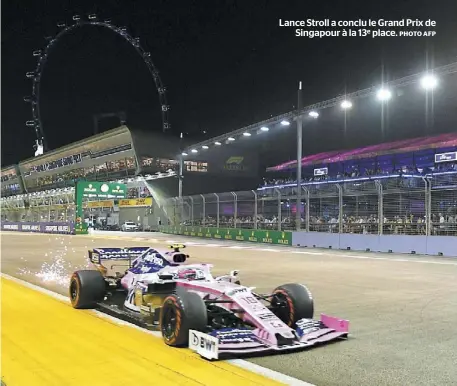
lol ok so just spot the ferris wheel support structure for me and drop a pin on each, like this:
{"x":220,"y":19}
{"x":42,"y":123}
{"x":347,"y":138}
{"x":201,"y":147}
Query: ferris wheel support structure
{"x":42,"y":55}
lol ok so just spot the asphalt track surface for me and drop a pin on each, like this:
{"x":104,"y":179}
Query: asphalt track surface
{"x":402,"y":309}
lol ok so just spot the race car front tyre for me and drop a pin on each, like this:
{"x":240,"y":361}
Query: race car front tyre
{"x":181,"y":312}
{"x":87,"y":288}
{"x":292,"y":302}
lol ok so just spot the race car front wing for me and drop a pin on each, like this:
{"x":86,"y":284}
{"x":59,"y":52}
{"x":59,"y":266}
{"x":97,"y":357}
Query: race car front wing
{"x":235,"y":342}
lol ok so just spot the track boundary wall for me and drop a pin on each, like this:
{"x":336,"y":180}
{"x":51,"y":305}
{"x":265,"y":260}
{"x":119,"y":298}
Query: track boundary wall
{"x":421,"y":245}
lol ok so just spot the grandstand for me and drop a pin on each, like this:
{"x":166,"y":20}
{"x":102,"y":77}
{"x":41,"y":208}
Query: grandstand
{"x":409,"y":156}
{"x":402,"y":187}
{"x":11,"y":181}
{"x":42,"y":188}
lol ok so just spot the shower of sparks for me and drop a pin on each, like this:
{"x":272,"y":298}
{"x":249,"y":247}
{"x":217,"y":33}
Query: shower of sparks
{"x":59,"y":269}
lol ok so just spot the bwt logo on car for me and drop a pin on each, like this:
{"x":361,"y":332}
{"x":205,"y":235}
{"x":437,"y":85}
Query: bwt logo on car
{"x":154,"y":260}
{"x":203,"y":343}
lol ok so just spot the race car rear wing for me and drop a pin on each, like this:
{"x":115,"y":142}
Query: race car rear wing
{"x":97,"y":255}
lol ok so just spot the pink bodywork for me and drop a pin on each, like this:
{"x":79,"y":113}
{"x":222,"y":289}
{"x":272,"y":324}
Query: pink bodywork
{"x":339,"y":325}
{"x":245,"y":300}
{"x":267,"y":325}
{"x":257,"y":314}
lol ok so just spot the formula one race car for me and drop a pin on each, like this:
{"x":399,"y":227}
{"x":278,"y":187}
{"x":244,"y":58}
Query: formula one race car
{"x":211,"y":315}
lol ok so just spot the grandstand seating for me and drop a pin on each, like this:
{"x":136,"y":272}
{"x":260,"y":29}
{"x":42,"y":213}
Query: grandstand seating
{"x":383,"y":180}
{"x":122,"y":154}
{"x":406,"y":157}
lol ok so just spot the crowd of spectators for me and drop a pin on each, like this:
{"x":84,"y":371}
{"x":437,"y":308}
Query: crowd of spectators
{"x":355,"y":172}
{"x":441,"y":224}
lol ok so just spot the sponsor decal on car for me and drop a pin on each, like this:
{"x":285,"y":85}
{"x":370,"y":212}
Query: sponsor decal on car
{"x":236,"y":291}
{"x":267,"y":316}
{"x":154,"y":259}
{"x":95,"y":257}
{"x":233,"y":335}
{"x":146,"y":309}
{"x":277,"y":324}
{"x":204,"y":344}
{"x":307,"y":326}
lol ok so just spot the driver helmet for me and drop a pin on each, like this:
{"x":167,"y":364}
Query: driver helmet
{"x":190,"y":274}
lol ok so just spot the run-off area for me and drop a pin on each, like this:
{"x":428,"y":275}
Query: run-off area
{"x":402,"y":313}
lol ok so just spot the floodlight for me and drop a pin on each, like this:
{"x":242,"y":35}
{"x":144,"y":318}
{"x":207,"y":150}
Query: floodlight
{"x":183,"y":153}
{"x":194,"y":151}
{"x":230,"y":139}
{"x":313,"y":114}
{"x":384,"y":94}
{"x":246,"y":134}
{"x":264,"y":128}
{"x":217,"y":143}
{"x":346,"y":105}
{"x":429,"y":82}
{"x":204,"y":147}
{"x":285,"y":123}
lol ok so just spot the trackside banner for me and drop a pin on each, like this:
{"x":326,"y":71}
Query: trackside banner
{"x":255,"y":236}
{"x":39,"y":227}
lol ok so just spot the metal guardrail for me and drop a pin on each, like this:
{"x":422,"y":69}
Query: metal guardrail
{"x":412,"y":206}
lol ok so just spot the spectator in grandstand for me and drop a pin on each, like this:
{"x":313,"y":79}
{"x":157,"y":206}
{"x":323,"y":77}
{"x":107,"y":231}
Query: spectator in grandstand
{"x":354,"y":172}
{"x":442,"y":221}
{"x":407,"y":224}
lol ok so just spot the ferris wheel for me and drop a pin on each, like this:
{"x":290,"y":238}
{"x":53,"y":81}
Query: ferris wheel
{"x":43,"y":54}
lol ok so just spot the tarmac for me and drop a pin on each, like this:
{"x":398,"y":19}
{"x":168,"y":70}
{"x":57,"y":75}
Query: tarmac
{"x":402,"y":308}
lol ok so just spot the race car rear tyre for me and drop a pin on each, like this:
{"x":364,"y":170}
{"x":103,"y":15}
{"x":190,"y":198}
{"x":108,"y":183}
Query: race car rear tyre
{"x":180,"y":313}
{"x":87,"y":288}
{"x":292,"y":302}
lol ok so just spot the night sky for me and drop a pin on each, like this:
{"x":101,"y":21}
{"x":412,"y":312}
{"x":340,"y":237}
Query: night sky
{"x":225,"y":64}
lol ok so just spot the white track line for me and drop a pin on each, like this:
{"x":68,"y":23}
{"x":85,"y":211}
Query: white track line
{"x":398,"y":260}
{"x":307,"y":253}
{"x":252,"y":367}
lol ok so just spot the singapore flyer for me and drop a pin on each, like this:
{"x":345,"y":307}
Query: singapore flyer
{"x":42,"y":56}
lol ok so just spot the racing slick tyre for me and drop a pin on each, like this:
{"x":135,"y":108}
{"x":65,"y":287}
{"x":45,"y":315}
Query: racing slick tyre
{"x":181,"y":312}
{"x":87,"y":288}
{"x":292,"y":302}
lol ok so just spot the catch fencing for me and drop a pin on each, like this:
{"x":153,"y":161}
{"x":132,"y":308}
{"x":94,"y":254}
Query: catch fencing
{"x":412,"y":205}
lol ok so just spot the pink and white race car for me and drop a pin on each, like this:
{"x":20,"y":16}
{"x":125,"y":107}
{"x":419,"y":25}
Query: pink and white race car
{"x":215,"y":316}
